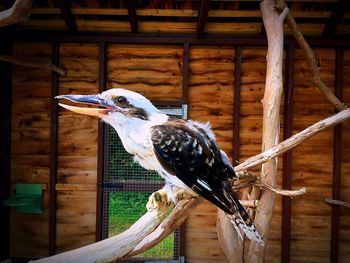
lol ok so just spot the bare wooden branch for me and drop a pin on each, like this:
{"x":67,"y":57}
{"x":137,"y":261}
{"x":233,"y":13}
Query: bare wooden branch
{"x":19,"y":12}
{"x":312,"y":63}
{"x":179,"y":214}
{"x":43,"y":65}
{"x":336,"y":202}
{"x":249,"y":203}
{"x":292,"y":141}
{"x":230,"y":240}
{"x":290,"y":193}
{"x":113,"y":248}
{"x":273,"y":22}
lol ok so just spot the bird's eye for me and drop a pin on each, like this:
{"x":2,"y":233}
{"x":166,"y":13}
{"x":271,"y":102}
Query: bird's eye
{"x":121,"y":100}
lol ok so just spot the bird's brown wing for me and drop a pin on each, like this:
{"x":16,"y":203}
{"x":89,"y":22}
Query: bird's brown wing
{"x":194,"y":159}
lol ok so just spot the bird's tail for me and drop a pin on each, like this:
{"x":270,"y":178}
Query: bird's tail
{"x":242,"y":220}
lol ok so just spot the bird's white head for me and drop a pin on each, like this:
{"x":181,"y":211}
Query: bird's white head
{"x":118,"y":107}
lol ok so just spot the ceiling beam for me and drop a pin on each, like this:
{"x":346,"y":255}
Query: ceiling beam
{"x":203,"y":11}
{"x":132,"y":16}
{"x":342,"y":7}
{"x":67,"y":15}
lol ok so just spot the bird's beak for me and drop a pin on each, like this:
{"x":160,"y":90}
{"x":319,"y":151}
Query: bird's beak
{"x":88,"y":99}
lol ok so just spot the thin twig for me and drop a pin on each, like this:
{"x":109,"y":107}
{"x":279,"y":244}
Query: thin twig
{"x":290,"y":193}
{"x":43,"y":65}
{"x":336,"y":202}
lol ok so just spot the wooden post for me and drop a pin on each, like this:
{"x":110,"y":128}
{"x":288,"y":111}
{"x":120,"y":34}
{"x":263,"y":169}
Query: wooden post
{"x":273,"y":22}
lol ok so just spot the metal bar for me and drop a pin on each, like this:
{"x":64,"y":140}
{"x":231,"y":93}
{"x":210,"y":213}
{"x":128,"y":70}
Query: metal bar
{"x":185,"y":73}
{"x":336,"y":18}
{"x":53,"y":152}
{"x":5,"y":149}
{"x":101,"y":147}
{"x":202,"y":16}
{"x":287,"y":157}
{"x":166,"y":39}
{"x":337,"y":152}
{"x":132,"y":16}
{"x":67,"y":15}
{"x":237,"y":103}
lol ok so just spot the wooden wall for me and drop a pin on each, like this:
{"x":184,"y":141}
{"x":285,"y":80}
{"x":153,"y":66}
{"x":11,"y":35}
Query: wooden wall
{"x":156,"y":71}
{"x":77,"y":148}
{"x":30,"y":148}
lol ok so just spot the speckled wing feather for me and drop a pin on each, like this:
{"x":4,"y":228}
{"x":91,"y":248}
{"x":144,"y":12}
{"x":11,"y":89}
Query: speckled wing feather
{"x":193,"y":158}
{"x":185,"y":150}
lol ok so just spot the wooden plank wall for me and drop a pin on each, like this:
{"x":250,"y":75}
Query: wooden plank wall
{"x":156,"y":71}
{"x":210,"y":99}
{"x":77,"y":151}
{"x":344,"y":232}
{"x":312,"y":164}
{"x":30,"y":160}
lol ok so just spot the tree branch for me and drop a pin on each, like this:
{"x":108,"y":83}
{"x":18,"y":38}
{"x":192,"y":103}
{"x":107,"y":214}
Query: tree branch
{"x":17,"y":13}
{"x":116,"y":247}
{"x":312,"y":62}
{"x":179,"y":214}
{"x":273,"y":22}
{"x":292,"y":141}
{"x":230,"y":239}
{"x":44,"y":65}
{"x":290,"y":193}
{"x":336,"y":202}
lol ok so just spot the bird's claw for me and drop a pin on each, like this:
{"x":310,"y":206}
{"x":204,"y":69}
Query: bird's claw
{"x":181,"y":194}
{"x":157,"y":200}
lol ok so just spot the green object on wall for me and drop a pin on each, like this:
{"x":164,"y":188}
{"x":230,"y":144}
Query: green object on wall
{"x":28,"y":199}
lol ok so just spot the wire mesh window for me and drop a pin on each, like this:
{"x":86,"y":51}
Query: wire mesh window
{"x":126,"y":188}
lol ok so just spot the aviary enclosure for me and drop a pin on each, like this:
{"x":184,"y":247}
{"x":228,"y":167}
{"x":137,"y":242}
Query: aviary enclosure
{"x":243,"y":66}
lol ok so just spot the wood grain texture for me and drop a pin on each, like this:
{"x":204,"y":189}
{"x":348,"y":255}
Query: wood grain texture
{"x":210,"y":99}
{"x":155,"y":71}
{"x":30,"y":146}
{"x":77,"y":151}
{"x":312,"y":164}
{"x":344,"y":226}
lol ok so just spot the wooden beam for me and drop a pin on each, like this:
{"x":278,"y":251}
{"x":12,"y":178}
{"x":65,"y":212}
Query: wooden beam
{"x":168,"y":39}
{"x":185,"y":73}
{"x":175,"y":12}
{"x":337,"y":155}
{"x":202,"y":16}
{"x":336,"y":18}
{"x":237,"y":103}
{"x":53,"y":152}
{"x":67,"y":15}
{"x":5,"y":149}
{"x":287,"y":157}
{"x":101,"y":147}
{"x":132,"y":16}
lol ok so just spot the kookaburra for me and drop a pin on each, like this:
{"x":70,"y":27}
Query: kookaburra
{"x":184,"y":152}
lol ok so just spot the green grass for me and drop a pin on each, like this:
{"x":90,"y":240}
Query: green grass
{"x":125,"y":208}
